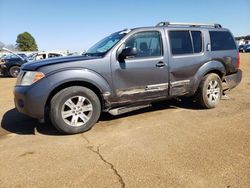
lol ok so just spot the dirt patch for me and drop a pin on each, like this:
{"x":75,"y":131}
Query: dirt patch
{"x":171,"y":144}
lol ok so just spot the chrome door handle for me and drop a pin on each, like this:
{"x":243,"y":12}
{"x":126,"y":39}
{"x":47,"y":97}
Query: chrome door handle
{"x":160,"y":64}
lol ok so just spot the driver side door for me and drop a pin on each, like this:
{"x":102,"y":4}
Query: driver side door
{"x":143,"y":76}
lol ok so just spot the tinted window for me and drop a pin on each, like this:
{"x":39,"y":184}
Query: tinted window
{"x":147,"y":44}
{"x":221,"y":40}
{"x":180,"y":42}
{"x":197,"y":41}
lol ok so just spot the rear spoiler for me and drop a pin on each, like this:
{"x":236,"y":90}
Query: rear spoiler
{"x":14,"y":53}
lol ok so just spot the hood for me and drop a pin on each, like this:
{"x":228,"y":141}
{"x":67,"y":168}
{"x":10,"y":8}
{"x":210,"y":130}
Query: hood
{"x":34,"y":65}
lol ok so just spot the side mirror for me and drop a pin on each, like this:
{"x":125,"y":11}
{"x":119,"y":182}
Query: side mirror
{"x":128,"y":52}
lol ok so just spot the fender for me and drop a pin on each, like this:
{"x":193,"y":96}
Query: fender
{"x":207,"y":67}
{"x":85,"y":75}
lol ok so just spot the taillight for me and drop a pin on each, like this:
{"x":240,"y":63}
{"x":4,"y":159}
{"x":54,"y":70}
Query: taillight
{"x":238,"y":60}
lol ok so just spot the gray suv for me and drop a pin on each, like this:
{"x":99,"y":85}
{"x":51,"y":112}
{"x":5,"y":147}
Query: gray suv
{"x":128,"y":70}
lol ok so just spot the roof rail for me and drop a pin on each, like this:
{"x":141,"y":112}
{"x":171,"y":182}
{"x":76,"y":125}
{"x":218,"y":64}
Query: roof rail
{"x":189,"y":24}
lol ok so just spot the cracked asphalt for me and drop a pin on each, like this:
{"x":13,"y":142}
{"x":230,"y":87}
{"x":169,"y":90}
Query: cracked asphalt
{"x":171,"y":144}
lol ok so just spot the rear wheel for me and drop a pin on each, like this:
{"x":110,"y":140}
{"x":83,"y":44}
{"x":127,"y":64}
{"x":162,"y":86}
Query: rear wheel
{"x":209,"y":91}
{"x":74,"y":109}
{"x":14,"y":71}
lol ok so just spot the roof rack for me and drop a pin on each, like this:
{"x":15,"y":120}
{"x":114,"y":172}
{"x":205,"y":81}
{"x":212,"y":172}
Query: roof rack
{"x":189,"y":24}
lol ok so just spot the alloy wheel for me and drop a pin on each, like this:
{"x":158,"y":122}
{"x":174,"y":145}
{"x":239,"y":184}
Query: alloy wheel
{"x":77,"y":111}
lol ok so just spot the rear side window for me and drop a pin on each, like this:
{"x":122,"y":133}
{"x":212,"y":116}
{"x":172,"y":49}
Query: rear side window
{"x":180,"y":42}
{"x":197,"y":41}
{"x":185,"y":42}
{"x":221,"y":40}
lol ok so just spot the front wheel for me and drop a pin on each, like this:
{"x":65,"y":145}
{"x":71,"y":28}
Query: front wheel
{"x":14,"y":71}
{"x":74,"y":109}
{"x":209,"y":91}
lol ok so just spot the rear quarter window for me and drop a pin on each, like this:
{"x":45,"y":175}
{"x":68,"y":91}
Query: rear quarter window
{"x":221,"y":40}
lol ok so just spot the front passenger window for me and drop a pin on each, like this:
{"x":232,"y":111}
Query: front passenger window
{"x":148,"y":44}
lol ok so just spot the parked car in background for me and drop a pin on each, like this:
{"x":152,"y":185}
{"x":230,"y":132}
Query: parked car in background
{"x":247,"y":48}
{"x":31,"y":56}
{"x":45,"y":55}
{"x":129,"y":70}
{"x":2,"y":56}
{"x":10,"y":64}
{"x":9,"y":56}
{"x":241,"y":48}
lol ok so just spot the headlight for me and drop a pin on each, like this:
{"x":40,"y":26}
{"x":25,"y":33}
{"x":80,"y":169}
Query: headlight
{"x":26,"y":78}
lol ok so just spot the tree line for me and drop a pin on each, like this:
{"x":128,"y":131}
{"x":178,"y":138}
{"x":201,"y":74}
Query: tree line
{"x":247,"y":37}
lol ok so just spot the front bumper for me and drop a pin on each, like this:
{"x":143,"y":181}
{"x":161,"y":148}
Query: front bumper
{"x":232,"y":80}
{"x":31,"y":100}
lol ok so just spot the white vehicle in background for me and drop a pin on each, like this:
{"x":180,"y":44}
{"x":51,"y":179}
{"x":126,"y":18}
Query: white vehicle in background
{"x":45,"y":55}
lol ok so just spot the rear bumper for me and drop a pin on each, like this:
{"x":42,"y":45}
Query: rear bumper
{"x":232,"y":80}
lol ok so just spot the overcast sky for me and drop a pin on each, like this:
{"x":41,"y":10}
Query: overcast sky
{"x":77,"y":24}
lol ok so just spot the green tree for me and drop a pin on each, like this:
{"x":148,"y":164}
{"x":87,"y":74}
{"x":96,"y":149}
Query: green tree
{"x":247,"y":37}
{"x":25,"y":42}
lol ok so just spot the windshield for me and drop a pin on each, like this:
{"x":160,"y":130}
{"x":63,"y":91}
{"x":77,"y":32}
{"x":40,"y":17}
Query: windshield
{"x":23,"y":55}
{"x":103,"y":46}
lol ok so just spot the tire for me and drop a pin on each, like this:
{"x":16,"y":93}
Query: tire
{"x":14,"y":71}
{"x":209,"y":91}
{"x":74,"y":110}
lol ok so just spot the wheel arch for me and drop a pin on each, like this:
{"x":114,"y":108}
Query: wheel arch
{"x":209,"y":67}
{"x":64,"y":85}
{"x":77,"y":77}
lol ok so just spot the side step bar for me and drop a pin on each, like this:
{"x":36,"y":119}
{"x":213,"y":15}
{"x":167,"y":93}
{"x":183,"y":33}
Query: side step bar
{"x":126,"y":109}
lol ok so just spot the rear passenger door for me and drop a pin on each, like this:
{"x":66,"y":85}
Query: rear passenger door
{"x":186,"y":55}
